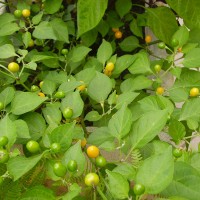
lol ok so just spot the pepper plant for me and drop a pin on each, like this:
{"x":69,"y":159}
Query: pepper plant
{"x":79,"y":82}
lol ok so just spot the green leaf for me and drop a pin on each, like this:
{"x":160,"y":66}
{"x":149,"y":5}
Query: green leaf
{"x":37,"y":18}
{"x":74,"y":190}
{"x":36,"y":124}
{"x":125,"y":98}
{"x":31,"y":65}
{"x":19,"y":106}
{"x":195,"y":161}
{"x":121,"y":189}
{"x":42,"y":56}
{"x":48,"y":87}
{"x":192,"y":124}
{"x":185,"y":182}
{"x":62,"y":135}
{"x":182,"y":35}
{"x":147,"y":127}
{"x":157,"y":20}
{"x":141,"y":64}
{"x":129,"y":44}
{"x":79,"y":53}
{"x":44,"y":31}
{"x":190,"y":110}
{"x":120,"y":123}
{"x":157,"y":102}
{"x":6,"y":18}
{"x":8,"y":129}
{"x":7,"y":51}
{"x":104,"y":52}
{"x":86,"y":75}
{"x":89,"y":38}
{"x":101,"y":137}
{"x":156,"y":172}
{"x":26,"y":37}
{"x":192,"y":59}
{"x":38,"y":192}
{"x":188,"y":10}
{"x":123,"y":7}
{"x":89,"y":14}
{"x":7,"y":95}
{"x":179,"y":92}
{"x":69,"y":86}
{"x":176,"y":130}
{"x":22,"y":129}
{"x":93,"y":116}
{"x":52,"y":6}
{"x":103,"y":28}
{"x":123,"y":63}
{"x":20,"y":165}
{"x":126,"y":170}
{"x":75,"y":153}
{"x":75,"y":102}
{"x":100,"y":87}
{"x":8,"y":29}
{"x":52,"y":113}
{"x":135,"y":29}
{"x":137,"y":83}
{"x":60,"y":29}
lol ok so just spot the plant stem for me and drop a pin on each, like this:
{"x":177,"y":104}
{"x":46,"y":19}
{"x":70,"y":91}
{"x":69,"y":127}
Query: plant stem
{"x":192,"y":136}
{"x":83,"y":126}
{"x":101,"y":193}
{"x":95,"y":195}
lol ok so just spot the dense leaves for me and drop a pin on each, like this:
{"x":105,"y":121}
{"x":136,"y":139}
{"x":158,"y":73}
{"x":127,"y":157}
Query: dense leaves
{"x":93,"y":107}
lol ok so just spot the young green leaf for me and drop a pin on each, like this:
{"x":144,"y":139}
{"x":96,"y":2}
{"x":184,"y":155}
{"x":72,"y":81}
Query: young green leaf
{"x":156,"y":172}
{"x":104,"y":52}
{"x":157,"y":20}
{"x":75,"y":153}
{"x":176,"y":130}
{"x":40,"y":191}
{"x":129,"y":44}
{"x":20,"y":165}
{"x":121,"y":189}
{"x":141,"y":64}
{"x":100,"y":87}
{"x":8,"y":129}
{"x":123,"y":7}
{"x":147,"y":127}
{"x":74,"y":101}
{"x":120,"y":123}
{"x":7,"y":95}
{"x":19,"y":106}
{"x":186,"y":181}
{"x":7,"y":51}
{"x":88,"y":16}
{"x":62,"y":135}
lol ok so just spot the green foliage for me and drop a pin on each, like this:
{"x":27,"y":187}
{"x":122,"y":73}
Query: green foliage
{"x":93,"y":59}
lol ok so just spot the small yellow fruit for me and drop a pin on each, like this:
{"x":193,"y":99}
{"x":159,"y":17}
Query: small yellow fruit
{"x":107,"y":72}
{"x":118,"y":34}
{"x":26,"y":13}
{"x":41,"y":94}
{"x":110,"y":66}
{"x":160,"y":90}
{"x":81,"y":87}
{"x":13,"y":67}
{"x":148,"y":39}
{"x":194,"y":92}
{"x":83,"y":142}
